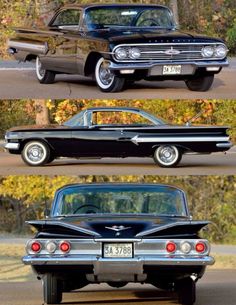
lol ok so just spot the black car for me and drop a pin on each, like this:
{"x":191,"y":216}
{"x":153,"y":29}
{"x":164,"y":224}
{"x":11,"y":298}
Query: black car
{"x":119,"y":44}
{"x":116,"y":234}
{"x":115,"y":132}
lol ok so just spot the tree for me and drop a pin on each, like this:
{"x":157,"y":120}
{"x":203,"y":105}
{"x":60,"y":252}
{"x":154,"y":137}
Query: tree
{"x":174,"y":7}
{"x":42,"y":112}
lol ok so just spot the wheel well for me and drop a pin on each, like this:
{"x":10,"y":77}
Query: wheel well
{"x":24,"y":142}
{"x":30,"y":57}
{"x":91,"y":63}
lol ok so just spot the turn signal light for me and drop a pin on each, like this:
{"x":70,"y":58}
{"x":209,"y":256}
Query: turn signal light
{"x":35,"y":246}
{"x":200,"y":247}
{"x":171,"y":247}
{"x":65,"y":246}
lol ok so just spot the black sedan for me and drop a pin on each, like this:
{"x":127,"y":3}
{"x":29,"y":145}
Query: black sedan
{"x":116,"y":234}
{"x":118,"y":44}
{"x":115,"y":132}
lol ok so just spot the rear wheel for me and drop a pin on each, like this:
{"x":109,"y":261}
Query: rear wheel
{"x":201,"y":83}
{"x":167,"y":156}
{"x":106,"y":80}
{"x":44,"y":76}
{"x":186,"y":289}
{"x":52,"y":289}
{"x":35,"y":153}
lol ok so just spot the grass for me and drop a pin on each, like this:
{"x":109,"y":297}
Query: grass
{"x":13,"y":270}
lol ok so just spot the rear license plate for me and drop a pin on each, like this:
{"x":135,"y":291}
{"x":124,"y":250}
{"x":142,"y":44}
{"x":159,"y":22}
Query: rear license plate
{"x":118,"y":250}
{"x":171,"y":70}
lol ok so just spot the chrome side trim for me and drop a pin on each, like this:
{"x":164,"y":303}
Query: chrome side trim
{"x":171,"y":260}
{"x":13,"y":146}
{"x":137,"y":139}
{"x":37,"y":48}
{"x":224,"y":145}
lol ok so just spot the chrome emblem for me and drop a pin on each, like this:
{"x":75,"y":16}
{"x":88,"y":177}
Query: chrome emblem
{"x":118,"y":228}
{"x":172,"y":51}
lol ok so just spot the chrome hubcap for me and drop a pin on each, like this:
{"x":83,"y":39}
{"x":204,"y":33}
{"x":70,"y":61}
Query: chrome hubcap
{"x":167,"y":154}
{"x":35,"y":153}
{"x":106,"y":76}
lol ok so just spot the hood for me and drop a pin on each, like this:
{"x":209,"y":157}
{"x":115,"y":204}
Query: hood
{"x":38,"y":127}
{"x":117,"y":227}
{"x":118,"y":36}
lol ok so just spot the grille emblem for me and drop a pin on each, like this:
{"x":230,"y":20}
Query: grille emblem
{"x":172,"y":51}
{"x":118,"y":228}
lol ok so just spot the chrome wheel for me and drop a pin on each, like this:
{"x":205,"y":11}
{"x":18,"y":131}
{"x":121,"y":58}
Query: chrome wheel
{"x":35,"y":153}
{"x":39,"y":70}
{"x":167,"y":155}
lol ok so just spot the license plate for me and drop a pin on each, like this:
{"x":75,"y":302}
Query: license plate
{"x":118,"y":250}
{"x":171,"y":70}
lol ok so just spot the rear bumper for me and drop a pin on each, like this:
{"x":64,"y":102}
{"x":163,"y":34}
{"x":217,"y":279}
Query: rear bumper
{"x":125,"y":264}
{"x":227,"y":145}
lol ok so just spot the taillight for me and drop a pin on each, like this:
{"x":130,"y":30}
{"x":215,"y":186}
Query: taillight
{"x":200,"y":247}
{"x":64,"y":246}
{"x":185,"y":247}
{"x":170,"y":247}
{"x":35,"y":246}
{"x":51,"y":247}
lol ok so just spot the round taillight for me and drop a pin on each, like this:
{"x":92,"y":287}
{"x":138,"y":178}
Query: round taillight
{"x":200,"y":247}
{"x":170,"y":247}
{"x":51,"y":247}
{"x":36,"y":246}
{"x":185,"y":247}
{"x":65,"y":246}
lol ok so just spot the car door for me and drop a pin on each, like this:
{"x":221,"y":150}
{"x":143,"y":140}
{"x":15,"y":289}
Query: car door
{"x":98,"y":141}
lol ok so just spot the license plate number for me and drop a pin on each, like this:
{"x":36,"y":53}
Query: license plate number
{"x":171,"y":70}
{"x":118,"y":250}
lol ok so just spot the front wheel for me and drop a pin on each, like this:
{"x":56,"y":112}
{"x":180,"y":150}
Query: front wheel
{"x":35,"y":153}
{"x":186,"y":289}
{"x":52,"y":289}
{"x":167,"y":156}
{"x":106,"y":80}
{"x":44,"y":76}
{"x":200,"y":83}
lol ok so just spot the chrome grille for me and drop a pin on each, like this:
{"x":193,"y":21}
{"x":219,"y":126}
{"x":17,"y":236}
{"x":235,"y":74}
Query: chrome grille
{"x":166,"y":51}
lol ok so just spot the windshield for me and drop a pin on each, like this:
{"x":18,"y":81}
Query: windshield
{"x":155,"y":200}
{"x":133,"y":16}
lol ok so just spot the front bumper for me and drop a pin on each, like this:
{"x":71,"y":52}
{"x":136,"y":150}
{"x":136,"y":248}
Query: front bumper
{"x":156,"y":68}
{"x":12,"y":146}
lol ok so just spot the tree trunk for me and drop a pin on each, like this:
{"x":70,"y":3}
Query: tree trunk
{"x":174,"y":7}
{"x":42,"y":113}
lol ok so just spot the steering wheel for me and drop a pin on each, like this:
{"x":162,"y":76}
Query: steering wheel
{"x":85,"y":205}
{"x":151,"y":21}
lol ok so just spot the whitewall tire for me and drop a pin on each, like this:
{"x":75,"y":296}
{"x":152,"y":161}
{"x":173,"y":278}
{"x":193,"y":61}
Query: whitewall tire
{"x":106,"y":80}
{"x":35,"y":153}
{"x":167,"y":156}
{"x":44,"y":76}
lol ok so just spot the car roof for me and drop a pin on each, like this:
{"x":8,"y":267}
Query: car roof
{"x":117,"y":185}
{"x":108,"y":5}
{"x":113,"y":109}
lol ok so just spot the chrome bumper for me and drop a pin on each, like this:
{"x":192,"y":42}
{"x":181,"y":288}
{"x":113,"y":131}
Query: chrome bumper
{"x":224,"y":145}
{"x":155,"y":68}
{"x":13,"y":146}
{"x":109,"y":264}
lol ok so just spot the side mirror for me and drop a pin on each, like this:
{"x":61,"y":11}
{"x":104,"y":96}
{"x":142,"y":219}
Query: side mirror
{"x":46,"y":213}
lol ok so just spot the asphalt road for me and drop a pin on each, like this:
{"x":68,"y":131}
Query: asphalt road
{"x":214,"y":164}
{"x":19,"y":81}
{"x":216,"y":288}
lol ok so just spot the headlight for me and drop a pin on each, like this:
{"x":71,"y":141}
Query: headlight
{"x":207,"y":51}
{"x":134,"y":53}
{"x":120,"y":53}
{"x":221,"y":51}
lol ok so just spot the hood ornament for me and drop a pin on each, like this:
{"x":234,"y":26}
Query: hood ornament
{"x":118,"y":228}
